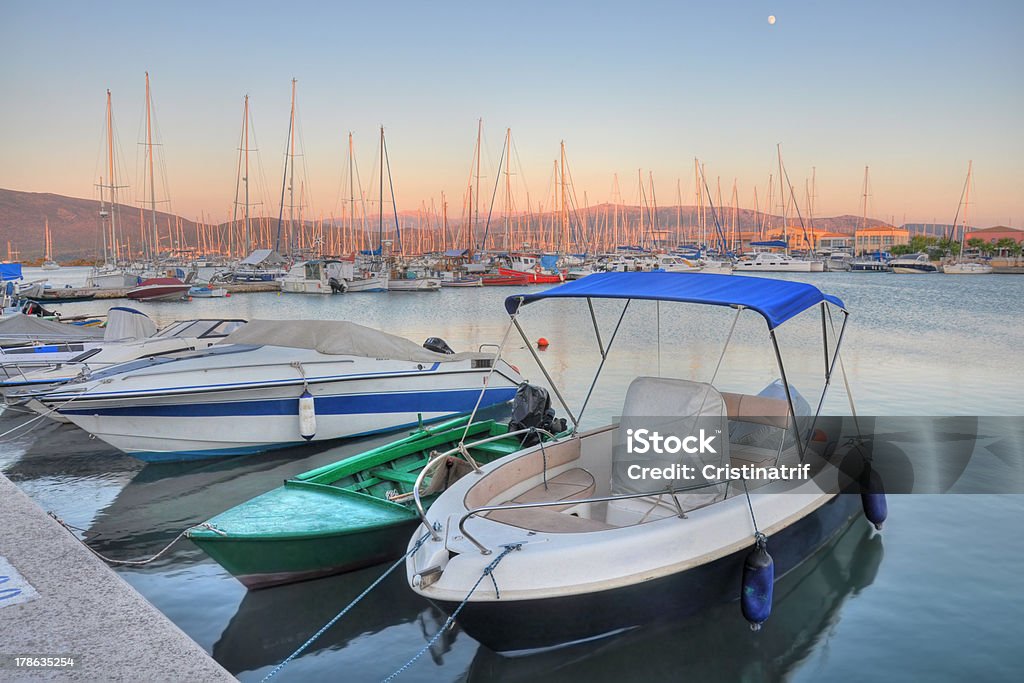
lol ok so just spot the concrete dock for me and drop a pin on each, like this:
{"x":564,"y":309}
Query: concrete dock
{"x":58,"y":600}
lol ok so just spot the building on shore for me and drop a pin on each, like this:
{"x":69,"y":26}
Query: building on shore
{"x":996,"y":234}
{"x":879,"y":238}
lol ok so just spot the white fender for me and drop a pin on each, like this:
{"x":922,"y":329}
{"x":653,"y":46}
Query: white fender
{"x":307,"y":416}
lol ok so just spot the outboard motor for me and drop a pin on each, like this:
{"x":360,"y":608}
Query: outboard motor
{"x":437,"y":345}
{"x":531,"y":407}
{"x":337,"y":286}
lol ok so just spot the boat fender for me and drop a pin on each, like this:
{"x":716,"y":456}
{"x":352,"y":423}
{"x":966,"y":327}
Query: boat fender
{"x":307,"y":416}
{"x":872,"y":497}
{"x":758,"y":581}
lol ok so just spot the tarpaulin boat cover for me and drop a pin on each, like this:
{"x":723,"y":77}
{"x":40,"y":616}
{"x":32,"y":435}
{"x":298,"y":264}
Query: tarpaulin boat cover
{"x":19,"y":329}
{"x":262,"y":257}
{"x":125,"y":323}
{"x":339,"y":338}
{"x":776,"y":300}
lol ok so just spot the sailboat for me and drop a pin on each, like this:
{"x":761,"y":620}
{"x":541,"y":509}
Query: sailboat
{"x":960,"y":266}
{"x":48,"y":262}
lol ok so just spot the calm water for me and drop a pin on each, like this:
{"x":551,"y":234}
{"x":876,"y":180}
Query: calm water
{"x":937,"y":596}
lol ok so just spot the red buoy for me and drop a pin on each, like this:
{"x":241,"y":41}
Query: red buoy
{"x":542,"y":343}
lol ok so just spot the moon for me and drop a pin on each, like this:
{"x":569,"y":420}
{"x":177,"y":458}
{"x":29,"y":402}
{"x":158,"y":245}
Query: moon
{"x":771,"y":19}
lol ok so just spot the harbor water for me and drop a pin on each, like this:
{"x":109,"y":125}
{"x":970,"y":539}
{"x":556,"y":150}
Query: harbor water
{"x":938,"y":595}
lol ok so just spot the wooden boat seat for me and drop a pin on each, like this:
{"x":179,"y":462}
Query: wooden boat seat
{"x":571,"y":485}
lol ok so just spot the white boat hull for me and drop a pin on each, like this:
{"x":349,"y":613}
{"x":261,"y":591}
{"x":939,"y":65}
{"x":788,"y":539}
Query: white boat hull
{"x":202,"y":409}
{"x":420,"y":284}
{"x":967,"y":269}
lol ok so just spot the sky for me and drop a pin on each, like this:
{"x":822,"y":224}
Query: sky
{"x":914,"y":90}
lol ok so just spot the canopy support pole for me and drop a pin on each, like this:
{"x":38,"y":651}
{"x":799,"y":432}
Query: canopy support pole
{"x":789,"y":396}
{"x":544,"y":370}
{"x":597,"y":331}
{"x":829,"y":370}
{"x":824,"y":341}
{"x":600,"y":367}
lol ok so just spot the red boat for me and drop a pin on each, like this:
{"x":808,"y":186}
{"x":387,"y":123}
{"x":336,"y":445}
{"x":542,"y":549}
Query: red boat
{"x":159,"y":289}
{"x":537,"y":277}
{"x":505,"y":280}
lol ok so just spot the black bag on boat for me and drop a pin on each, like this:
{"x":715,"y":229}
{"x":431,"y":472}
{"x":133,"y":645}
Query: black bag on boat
{"x":437,"y":345}
{"x":531,"y":407}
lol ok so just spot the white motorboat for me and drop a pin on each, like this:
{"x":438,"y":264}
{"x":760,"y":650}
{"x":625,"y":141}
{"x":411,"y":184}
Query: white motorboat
{"x":186,"y":335}
{"x":967,"y":268}
{"x":569,"y":541}
{"x":767,"y":262}
{"x":278,"y":383}
{"x":44,"y":349}
{"x":913,"y":263}
{"x":415,"y":283}
{"x":318,"y":276}
{"x":676,"y":264}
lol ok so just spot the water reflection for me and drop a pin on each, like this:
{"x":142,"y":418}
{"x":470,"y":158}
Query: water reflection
{"x":718,"y":644}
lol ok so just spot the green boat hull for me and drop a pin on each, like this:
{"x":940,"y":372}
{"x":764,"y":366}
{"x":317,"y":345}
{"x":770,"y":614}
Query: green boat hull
{"x":339,"y":517}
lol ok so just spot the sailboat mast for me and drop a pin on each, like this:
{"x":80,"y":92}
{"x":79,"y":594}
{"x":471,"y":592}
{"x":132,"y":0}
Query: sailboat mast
{"x":380,"y":215}
{"x":864,"y":215}
{"x":508,"y":187}
{"x":155,"y":246}
{"x":476,"y":217}
{"x":113,"y":185}
{"x":245,"y":178}
{"x":967,"y":203}
{"x":782,"y":198}
{"x":565,"y":210}
{"x":351,"y":196}
{"x":291,"y":173}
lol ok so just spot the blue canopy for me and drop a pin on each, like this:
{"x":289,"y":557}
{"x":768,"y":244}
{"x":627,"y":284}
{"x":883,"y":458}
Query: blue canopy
{"x":776,"y":300}
{"x":774,"y":244}
{"x":10,"y":271}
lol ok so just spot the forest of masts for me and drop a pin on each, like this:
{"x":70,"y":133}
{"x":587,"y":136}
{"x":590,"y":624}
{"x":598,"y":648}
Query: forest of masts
{"x":495,"y":212}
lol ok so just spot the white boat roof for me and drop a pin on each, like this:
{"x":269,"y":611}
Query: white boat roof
{"x":339,"y":337}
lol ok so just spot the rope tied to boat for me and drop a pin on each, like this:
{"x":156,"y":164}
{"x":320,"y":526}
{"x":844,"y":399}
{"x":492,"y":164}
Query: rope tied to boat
{"x":348,"y":607}
{"x":41,"y":416}
{"x":758,"y":536}
{"x":488,"y":571}
{"x":128,"y":563}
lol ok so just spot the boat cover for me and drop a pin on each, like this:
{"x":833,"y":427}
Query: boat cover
{"x":125,"y":323}
{"x":262,"y":257}
{"x":18,"y":329}
{"x":341,"y":338}
{"x":776,"y":300}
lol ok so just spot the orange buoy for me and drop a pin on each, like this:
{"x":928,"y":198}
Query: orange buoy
{"x":542,"y":343}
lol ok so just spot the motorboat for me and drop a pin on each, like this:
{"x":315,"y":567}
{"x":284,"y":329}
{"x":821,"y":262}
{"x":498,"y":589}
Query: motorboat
{"x":676,"y":264}
{"x":768,"y":262}
{"x":533,"y":268}
{"x":178,"y":337}
{"x":967,"y":268}
{"x":37,"y":344}
{"x":870,"y":264}
{"x":208,"y":291}
{"x":838,"y":261}
{"x":505,"y":279}
{"x":462,"y":281}
{"x":273,"y":384}
{"x":159,"y":289}
{"x":318,"y":276}
{"x":913,"y":263}
{"x":583,"y":537}
{"x":410,"y":281}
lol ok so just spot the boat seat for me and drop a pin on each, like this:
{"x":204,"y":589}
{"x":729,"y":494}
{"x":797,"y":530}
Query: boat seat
{"x":765,"y":410}
{"x":571,"y":485}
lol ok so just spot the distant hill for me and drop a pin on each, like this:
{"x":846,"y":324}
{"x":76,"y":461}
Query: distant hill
{"x":75,"y":222}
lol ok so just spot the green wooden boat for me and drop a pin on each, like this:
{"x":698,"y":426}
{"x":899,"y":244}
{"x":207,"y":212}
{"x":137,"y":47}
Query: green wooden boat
{"x":350,"y":514}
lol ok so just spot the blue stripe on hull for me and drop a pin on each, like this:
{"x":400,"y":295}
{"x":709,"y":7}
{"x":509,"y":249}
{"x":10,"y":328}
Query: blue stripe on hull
{"x":456,"y":401}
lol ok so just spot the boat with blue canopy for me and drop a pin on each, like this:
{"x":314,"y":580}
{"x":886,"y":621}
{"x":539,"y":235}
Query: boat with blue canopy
{"x":656,"y":515}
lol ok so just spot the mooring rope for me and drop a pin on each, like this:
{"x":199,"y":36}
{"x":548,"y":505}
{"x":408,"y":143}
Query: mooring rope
{"x":130,"y":563}
{"x":758,"y":536}
{"x":349,"y":606}
{"x":488,"y":571}
{"x":39,"y":417}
